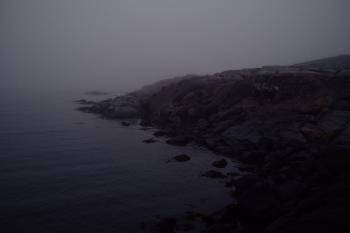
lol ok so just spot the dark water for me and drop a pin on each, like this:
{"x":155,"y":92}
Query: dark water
{"x":66,"y":171}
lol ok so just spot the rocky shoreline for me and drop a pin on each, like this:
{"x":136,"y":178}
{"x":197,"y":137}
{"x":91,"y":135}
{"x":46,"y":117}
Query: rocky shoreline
{"x":289,"y":125}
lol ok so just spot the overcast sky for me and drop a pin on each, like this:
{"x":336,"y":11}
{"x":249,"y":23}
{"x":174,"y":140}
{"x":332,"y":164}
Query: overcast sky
{"x":119,"y":45}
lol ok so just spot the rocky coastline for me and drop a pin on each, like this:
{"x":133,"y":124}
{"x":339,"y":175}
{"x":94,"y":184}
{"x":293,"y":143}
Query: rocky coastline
{"x":289,"y":126}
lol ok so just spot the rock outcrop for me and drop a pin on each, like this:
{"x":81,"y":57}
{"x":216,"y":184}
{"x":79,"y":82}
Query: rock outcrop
{"x":120,"y":107}
{"x":291,"y":125}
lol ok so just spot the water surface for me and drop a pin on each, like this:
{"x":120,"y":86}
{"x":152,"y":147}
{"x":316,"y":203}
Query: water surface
{"x":66,"y":171}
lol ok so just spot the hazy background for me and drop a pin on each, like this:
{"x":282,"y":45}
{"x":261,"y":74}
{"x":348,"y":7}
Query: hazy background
{"x":120,"y":45}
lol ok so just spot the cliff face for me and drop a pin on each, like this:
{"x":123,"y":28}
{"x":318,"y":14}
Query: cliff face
{"x":284,"y":104}
{"x":290,"y":125}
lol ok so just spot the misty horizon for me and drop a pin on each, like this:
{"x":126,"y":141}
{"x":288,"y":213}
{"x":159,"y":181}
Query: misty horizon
{"x":123,"y":45}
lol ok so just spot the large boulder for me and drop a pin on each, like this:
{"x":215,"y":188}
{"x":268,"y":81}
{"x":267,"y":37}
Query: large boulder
{"x":248,"y":131}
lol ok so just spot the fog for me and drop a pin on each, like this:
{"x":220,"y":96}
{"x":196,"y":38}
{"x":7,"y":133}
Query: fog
{"x":120,"y":45}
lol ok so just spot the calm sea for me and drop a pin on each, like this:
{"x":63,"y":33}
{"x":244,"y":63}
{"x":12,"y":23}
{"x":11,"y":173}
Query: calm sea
{"x":65,"y":171}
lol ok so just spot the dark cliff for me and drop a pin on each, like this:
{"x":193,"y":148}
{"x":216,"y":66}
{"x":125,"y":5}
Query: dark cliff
{"x":290,"y":125}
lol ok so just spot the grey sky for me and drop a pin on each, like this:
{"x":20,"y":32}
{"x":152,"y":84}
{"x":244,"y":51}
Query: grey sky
{"x":123,"y":44}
